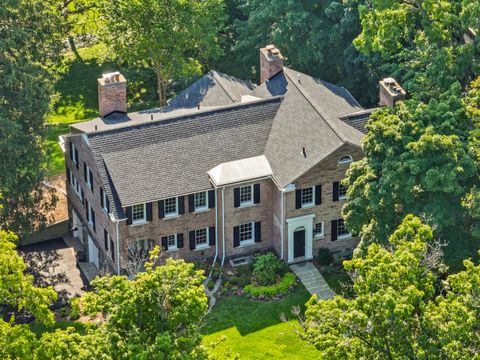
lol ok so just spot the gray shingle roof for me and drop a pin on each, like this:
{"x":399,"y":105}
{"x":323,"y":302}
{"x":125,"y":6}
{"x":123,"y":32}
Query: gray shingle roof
{"x":171,"y":157}
{"x":213,"y":88}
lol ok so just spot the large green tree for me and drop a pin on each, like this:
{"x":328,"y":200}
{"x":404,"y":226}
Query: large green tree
{"x":400,"y":309}
{"x":174,"y":38}
{"x":314,"y":36}
{"x":29,"y":44}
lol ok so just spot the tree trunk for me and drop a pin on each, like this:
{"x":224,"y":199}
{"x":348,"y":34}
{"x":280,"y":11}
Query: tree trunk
{"x":73,"y":47}
{"x":161,"y":89}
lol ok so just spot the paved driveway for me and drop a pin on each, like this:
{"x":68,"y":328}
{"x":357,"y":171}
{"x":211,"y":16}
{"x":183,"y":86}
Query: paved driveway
{"x":53,"y":263}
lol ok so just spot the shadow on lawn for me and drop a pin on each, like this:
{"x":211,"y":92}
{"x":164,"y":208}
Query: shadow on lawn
{"x":251,"y":316}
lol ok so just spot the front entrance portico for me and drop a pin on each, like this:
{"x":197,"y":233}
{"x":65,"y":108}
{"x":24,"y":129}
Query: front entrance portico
{"x":300,"y":236}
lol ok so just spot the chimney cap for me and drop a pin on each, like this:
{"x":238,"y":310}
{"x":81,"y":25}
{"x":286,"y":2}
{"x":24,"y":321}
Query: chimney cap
{"x":270,"y":47}
{"x":111,"y":78}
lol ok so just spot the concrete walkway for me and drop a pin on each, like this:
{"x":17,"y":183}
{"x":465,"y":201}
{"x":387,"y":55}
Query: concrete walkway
{"x":313,"y":280}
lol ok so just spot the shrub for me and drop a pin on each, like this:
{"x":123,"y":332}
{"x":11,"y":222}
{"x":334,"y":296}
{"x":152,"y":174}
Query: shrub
{"x":240,"y":280}
{"x":74,"y":308}
{"x":244,"y":270}
{"x":216,"y":271}
{"x":266,"y":267}
{"x":210,"y":284}
{"x":325,"y":257}
{"x":286,"y":283}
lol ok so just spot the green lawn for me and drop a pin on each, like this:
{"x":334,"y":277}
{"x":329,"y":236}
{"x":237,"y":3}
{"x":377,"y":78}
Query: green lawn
{"x":254,"y":330}
{"x":77,"y":96}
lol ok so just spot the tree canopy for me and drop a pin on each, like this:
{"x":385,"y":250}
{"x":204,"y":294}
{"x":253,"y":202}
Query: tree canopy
{"x":401,"y":310}
{"x":174,"y":38}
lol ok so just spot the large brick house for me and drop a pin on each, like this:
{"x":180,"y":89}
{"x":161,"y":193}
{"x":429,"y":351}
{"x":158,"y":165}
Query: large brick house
{"x":227,"y":169}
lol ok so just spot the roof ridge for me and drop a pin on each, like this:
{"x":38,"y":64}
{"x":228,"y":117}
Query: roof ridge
{"x":189,"y":116}
{"x":217,"y":78}
{"x":315,"y":107}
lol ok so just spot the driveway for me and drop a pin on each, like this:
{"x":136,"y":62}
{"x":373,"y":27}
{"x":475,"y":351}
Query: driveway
{"x":54,"y":263}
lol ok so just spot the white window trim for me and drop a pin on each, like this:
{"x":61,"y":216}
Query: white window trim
{"x":310,"y":204}
{"x":77,"y":189}
{"x":202,"y":246}
{"x":250,"y":241}
{"x":201,"y":208}
{"x":172,"y":248}
{"x":246,"y":203}
{"x":90,"y":211}
{"x":341,"y":197}
{"x":74,"y":151}
{"x":144,"y":219}
{"x":343,"y":160}
{"x":90,"y":185}
{"x":171,"y":214}
{"x":322,"y":234}
{"x":343,"y":236}
{"x":105,"y":198}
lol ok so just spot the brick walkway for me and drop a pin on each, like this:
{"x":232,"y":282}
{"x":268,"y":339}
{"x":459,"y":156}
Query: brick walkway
{"x":313,"y":280}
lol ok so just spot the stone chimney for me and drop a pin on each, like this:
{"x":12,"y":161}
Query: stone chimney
{"x":271,"y":62}
{"x":112,"y":93}
{"x":390,"y":92}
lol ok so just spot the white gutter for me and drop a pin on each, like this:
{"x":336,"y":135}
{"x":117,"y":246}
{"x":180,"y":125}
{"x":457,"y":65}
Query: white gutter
{"x":223,"y":225}
{"x":283,"y":225}
{"x":118,"y":245}
{"x":216,"y":233}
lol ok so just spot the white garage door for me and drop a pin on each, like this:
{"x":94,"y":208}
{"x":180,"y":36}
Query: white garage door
{"x":92,"y":252}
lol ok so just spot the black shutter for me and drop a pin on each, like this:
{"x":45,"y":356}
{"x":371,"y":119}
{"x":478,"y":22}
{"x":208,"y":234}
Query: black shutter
{"x":112,"y":250}
{"x":211,"y":236}
{"x":105,"y":239}
{"x":161,"y":209}
{"x":318,"y":194}
{"x":68,"y":176}
{"x":181,"y":204}
{"x":336,"y":186}
{"x":76,"y":158}
{"x":191,"y":239}
{"x":149,"y":211}
{"x":191,"y":203}
{"x":85,"y":175}
{"x":108,"y":204}
{"x":258,"y":231}
{"x":129,"y":215}
{"x":298,"y":198}
{"x":90,"y":174}
{"x":164,"y":243}
{"x":179,"y":241}
{"x":93,"y":221}
{"x":236,"y":197}
{"x":83,"y":196}
{"x":70,"y":148}
{"x":236,"y":236}
{"x":86,"y":210}
{"x":102,"y":202}
{"x":211,"y":199}
{"x":256,"y":193}
{"x":334,"y":229}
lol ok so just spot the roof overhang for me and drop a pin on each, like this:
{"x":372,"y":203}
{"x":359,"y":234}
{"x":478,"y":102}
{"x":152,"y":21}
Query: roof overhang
{"x":240,"y":170}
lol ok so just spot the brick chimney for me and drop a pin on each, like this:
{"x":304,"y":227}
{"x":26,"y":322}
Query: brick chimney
{"x":112,"y":93}
{"x":390,"y":92}
{"x":271,"y":62}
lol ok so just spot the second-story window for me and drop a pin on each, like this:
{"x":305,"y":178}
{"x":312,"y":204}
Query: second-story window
{"x":74,"y":154}
{"x":342,"y":192}
{"x":246,"y":195}
{"x":171,"y":208}
{"x":76,"y":186}
{"x":200,"y":201}
{"x":307,"y":197}
{"x":88,"y":176}
{"x":138,"y":214}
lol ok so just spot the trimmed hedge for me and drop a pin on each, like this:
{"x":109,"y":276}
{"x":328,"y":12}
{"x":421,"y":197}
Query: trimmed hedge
{"x":288,"y":281}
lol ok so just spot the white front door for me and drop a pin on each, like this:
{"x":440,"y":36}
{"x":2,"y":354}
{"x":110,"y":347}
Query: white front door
{"x":92,"y":252}
{"x":301,"y":225}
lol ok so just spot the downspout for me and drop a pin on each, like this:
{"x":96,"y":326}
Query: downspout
{"x":216,"y":233}
{"x":283,"y":224}
{"x":118,"y":247}
{"x":223,"y":225}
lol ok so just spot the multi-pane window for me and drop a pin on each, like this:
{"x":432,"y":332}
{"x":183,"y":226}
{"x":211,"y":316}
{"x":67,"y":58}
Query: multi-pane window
{"x":91,"y":216}
{"x":105,"y":201}
{"x":318,"y":230}
{"x":246,"y":195}
{"x":200,"y":201}
{"x":342,"y":192}
{"x":138,"y":213}
{"x":307,"y":196}
{"x":246,"y":233}
{"x":172,"y":242}
{"x":89,"y":176}
{"x":171,"y":206}
{"x":201,"y":238}
{"x":342,"y":231}
{"x":345,"y":159}
{"x":74,"y":154}
{"x":75,"y":185}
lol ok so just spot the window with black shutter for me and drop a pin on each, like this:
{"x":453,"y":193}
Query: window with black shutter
{"x":112,"y":250}
{"x":75,"y":159}
{"x":149,"y":211}
{"x":211,"y":199}
{"x":298,"y":199}
{"x":179,"y":241}
{"x":211,"y":236}
{"x":236,"y":236}
{"x":87,"y":210}
{"x":258,"y":231}
{"x":70,"y":148}
{"x":334,"y":230}
{"x":236,"y":197}
{"x":181,"y":205}
{"x":128,"y":210}
{"x":93,"y":219}
{"x":256,"y":193}
{"x":85,"y":172}
{"x":90,"y":175}
{"x":318,"y":194}
{"x":191,"y":239}
{"x":164,"y":243}
{"x":191,"y":203}
{"x":161,"y":209}
{"x":336,"y":187}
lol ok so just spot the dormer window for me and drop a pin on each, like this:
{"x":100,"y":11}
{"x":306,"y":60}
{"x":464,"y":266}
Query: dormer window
{"x":345,"y":159}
